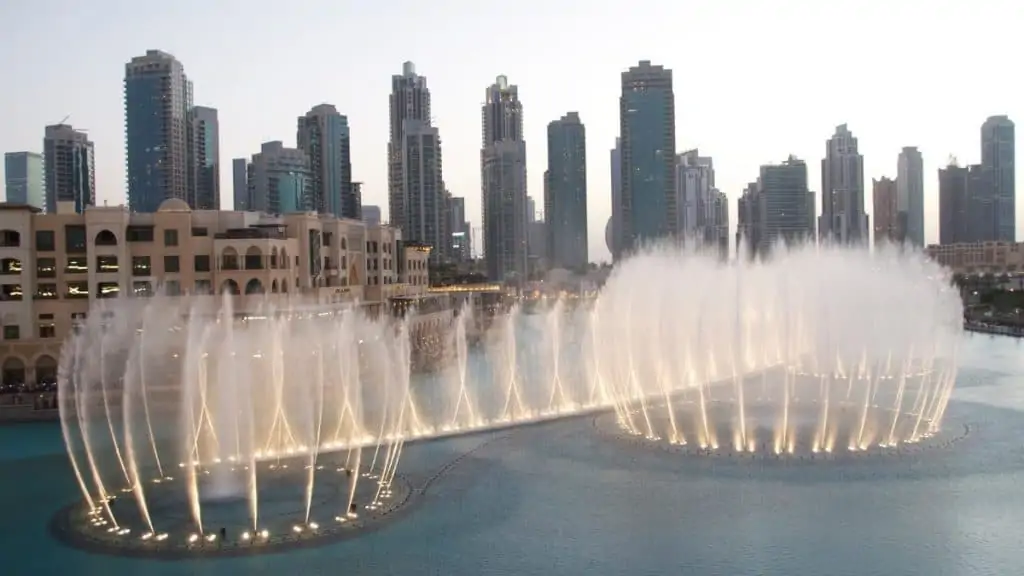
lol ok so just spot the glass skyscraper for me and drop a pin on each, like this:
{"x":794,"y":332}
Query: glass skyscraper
{"x":70,"y":168}
{"x":648,"y":155}
{"x":23,"y":175}
{"x":565,"y":202}
{"x":323,"y":134}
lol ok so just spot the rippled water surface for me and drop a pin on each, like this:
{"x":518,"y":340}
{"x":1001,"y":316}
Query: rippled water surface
{"x":563,"y":499}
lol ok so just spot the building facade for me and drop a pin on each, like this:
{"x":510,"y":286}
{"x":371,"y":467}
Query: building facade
{"x":980,"y":257}
{"x":205,"y":157}
{"x":409,"y":100}
{"x":965,"y":204}
{"x":613,"y":232}
{"x":999,"y":174}
{"x":280,"y":180}
{"x":565,"y":194}
{"x":323,"y":134}
{"x":422,"y":201}
{"x":503,"y":183}
{"x":885,"y":211}
{"x":70,"y":173}
{"x":773,"y":210}
{"x":240,"y":184}
{"x":842,"y":219}
{"x":461,"y":248}
{"x":910,"y":197}
{"x":695,"y":185}
{"x":157,"y":104}
{"x":648,"y":155}
{"x":23,"y":179}
{"x":54,"y":268}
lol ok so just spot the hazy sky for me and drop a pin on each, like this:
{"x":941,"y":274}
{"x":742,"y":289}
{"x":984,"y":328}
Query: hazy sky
{"x":755,"y":80}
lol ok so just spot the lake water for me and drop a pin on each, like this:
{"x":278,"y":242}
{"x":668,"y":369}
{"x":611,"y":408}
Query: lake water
{"x":562,"y":499}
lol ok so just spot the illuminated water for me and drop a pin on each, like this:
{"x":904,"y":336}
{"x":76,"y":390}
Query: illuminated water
{"x":560,"y":499}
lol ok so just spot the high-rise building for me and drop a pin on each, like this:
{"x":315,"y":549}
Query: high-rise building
{"x":323,"y":134}
{"x":965,"y":204}
{"x":888,"y":220}
{"x":613,"y":232}
{"x":371,"y":215}
{"x":718,"y":230}
{"x":648,"y":148}
{"x":157,"y":110}
{"x":503,"y":183}
{"x":695,"y":183}
{"x":409,"y":100}
{"x":999,"y":173}
{"x":842,"y":190}
{"x":280,"y":180}
{"x":23,"y":179}
{"x":240,"y":193}
{"x":422,"y":203}
{"x":812,"y":215}
{"x":565,"y":194}
{"x":461,"y":241}
{"x":909,"y":197}
{"x":531,"y":207}
{"x":205,"y":159}
{"x":774,"y":209}
{"x":70,"y":172}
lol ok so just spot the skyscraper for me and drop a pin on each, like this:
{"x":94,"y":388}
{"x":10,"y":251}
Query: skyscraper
{"x":648,"y":140}
{"x":719,"y":227}
{"x":409,"y":100}
{"x":461,"y":244}
{"x":503,"y":183}
{"x":280,"y":180}
{"x":23,"y":176}
{"x":783,"y":192}
{"x":371,"y":215}
{"x":531,"y":207}
{"x":888,"y":220}
{"x":909,"y":197}
{"x":323,"y":134}
{"x":613,"y":233}
{"x":565,"y":193}
{"x":423,"y":202}
{"x":157,"y":108}
{"x":695,"y":184}
{"x":965,"y":204}
{"x":999,"y":173}
{"x":239,"y":168}
{"x":70,"y":173}
{"x":842,"y":190}
{"x":205,"y":159}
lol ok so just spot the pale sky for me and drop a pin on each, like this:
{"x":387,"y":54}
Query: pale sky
{"x":755,"y":80}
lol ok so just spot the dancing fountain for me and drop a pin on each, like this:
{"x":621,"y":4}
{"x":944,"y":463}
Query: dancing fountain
{"x":218,"y":432}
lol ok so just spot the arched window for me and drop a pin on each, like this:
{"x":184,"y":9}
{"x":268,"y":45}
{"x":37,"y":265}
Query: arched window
{"x":253,"y":258}
{"x":13,"y":371}
{"x":273,"y":287}
{"x":106,"y":238}
{"x":46,"y":370}
{"x":254,"y":286}
{"x":229,"y":259}
{"x":230,"y":287}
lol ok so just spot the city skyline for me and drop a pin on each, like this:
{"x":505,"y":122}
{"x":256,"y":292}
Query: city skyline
{"x":740,"y":129}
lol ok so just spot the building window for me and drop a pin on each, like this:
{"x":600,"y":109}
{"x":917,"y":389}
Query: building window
{"x":106,"y":264}
{"x":77,"y":265}
{"x":10,"y":239}
{"x":171,"y":265}
{"x":202,"y":263}
{"x":328,"y":238}
{"x":197,"y":231}
{"x":172,"y":288}
{"x":74,"y":239}
{"x":139,"y":234}
{"x":141,"y":266}
{"x":171,"y":237}
{"x":10,"y":266}
{"x":46,"y":291}
{"x":142,"y":288}
{"x":10,"y":292}
{"x":47,"y":330}
{"x":12,"y":332}
{"x":78,"y":290}
{"x":46,"y":267}
{"x":45,"y":241}
{"x":203,"y":287}
{"x":107,"y":290}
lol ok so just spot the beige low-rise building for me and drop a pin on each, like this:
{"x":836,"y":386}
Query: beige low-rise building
{"x":980,"y":257}
{"x":55,"y":267}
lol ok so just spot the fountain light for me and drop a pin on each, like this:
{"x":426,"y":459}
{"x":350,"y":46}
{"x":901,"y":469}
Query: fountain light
{"x":193,"y":538}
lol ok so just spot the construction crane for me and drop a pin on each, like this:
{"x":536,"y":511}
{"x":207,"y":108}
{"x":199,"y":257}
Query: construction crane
{"x":65,"y":119}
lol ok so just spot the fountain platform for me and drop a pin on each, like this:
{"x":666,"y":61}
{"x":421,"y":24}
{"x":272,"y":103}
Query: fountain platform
{"x":228,"y":528}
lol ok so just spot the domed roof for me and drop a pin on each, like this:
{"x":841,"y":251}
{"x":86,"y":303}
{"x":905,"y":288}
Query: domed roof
{"x":174,"y":205}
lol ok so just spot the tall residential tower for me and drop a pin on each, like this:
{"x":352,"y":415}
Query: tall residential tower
{"x":565,"y":194}
{"x":23,"y":178}
{"x":910,"y":197}
{"x":70,"y":168}
{"x":842,"y":191}
{"x":323,"y":134}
